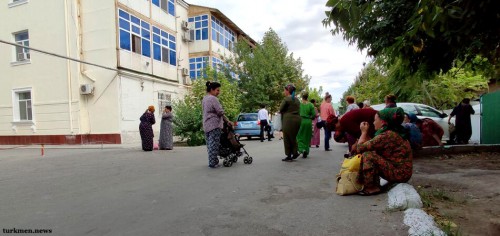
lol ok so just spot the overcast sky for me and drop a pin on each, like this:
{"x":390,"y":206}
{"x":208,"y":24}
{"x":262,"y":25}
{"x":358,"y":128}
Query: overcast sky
{"x":328,"y":60}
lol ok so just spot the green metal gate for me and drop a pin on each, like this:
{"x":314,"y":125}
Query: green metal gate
{"x":490,"y":118}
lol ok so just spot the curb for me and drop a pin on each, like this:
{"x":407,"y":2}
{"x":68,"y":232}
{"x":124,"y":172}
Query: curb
{"x":456,"y":149}
{"x":404,"y":197}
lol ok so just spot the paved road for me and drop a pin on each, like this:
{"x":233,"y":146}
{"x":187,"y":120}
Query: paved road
{"x":125,"y":191}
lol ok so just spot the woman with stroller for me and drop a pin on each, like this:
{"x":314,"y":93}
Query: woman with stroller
{"x":213,"y":118}
{"x":289,"y":109}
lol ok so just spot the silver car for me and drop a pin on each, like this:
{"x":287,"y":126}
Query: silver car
{"x":424,"y":111}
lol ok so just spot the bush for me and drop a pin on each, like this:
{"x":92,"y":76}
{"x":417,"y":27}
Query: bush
{"x":188,"y":112}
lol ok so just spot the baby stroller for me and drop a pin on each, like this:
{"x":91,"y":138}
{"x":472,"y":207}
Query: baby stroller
{"x":230,"y":147}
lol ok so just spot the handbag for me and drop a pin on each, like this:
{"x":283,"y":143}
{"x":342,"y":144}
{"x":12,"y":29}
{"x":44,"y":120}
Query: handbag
{"x":347,"y":183}
{"x":351,"y":164}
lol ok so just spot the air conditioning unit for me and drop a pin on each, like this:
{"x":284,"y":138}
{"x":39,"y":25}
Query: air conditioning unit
{"x":187,"y":81}
{"x":23,"y":56}
{"x":188,"y":36}
{"x":86,"y":89}
{"x":185,"y":25}
{"x":185,"y":71}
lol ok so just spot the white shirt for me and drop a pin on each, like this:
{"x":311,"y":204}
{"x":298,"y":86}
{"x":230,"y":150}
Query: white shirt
{"x":351,"y":107}
{"x":263,"y":114}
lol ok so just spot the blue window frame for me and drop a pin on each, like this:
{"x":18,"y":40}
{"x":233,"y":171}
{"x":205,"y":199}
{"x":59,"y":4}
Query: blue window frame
{"x":164,"y":47}
{"x":197,"y":67}
{"x":219,"y":64}
{"x":135,"y":34}
{"x":222,"y":34}
{"x":167,"y":6}
{"x":200,"y":27}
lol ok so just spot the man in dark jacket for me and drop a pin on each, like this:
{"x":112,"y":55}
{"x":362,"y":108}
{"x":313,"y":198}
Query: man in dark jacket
{"x":463,"y":127}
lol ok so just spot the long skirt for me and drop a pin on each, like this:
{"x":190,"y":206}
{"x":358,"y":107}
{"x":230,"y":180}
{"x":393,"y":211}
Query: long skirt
{"x":374,"y":166}
{"x":290,"y":126}
{"x":146,"y":131}
{"x":315,"y":140}
{"x":166,"y":136}
{"x":213,"y":144}
{"x":304,"y":135}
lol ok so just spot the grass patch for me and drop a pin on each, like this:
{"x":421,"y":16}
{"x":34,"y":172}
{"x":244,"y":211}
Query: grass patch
{"x":429,"y":199}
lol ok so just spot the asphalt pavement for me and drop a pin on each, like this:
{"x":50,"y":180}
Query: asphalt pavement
{"x":121,"y":190}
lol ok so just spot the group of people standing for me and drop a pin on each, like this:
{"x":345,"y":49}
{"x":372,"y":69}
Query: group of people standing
{"x":166,"y":140}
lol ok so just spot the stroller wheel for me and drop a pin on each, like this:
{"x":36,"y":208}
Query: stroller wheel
{"x":248,"y":160}
{"x":235,"y":159}
{"x":227,"y":163}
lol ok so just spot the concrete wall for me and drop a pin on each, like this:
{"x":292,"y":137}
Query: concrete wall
{"x":52,"y":80}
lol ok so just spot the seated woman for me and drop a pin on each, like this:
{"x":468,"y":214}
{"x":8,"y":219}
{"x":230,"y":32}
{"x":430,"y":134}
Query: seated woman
{"x":387,"y":155}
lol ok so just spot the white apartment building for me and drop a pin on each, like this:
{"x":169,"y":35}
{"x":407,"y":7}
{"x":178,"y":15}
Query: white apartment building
{"x":147,"y":52}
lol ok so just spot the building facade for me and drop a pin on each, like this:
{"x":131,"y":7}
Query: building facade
{"x":143,"y":52}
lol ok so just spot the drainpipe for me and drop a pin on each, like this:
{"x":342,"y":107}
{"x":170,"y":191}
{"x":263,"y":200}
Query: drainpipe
{"x":68,"y":66}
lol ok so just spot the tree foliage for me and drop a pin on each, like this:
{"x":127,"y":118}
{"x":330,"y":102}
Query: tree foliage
{"x":442,"y":91}
{"x":264,"y":71}
{"x":188,"y":112}
{"x":426,"y":35}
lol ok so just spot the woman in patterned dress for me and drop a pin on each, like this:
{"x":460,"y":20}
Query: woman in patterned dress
{"x":146,"y":128}
{"x":213,"y":117}
{"x":387,"y":155}
{"x":166,"y":132}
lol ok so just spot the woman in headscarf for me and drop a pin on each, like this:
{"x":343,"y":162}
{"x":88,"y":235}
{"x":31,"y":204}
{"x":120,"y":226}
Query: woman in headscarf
{"x":387,"y":155}
{"x":315,"y":136}
{"x":146,"y":128}
{"x":415,"y":135}
{"x":290,"y":109}
{"x":166,"y":132}
{"x":307,"y":114}
{"x":213,"y":118}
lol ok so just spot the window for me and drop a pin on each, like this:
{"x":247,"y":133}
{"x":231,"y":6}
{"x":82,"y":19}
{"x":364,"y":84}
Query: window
{"x":23,"y":110}
{"x":197,"y":67}
{"x":200,"y":31}
{"x":409,"y":108}
{"x":429,"y":112}
{"x":14,"y":3}
{"x":222,"y":34}
{"x":134,"y":34}
{"x":164,"y":99}
{"x":164,"y":46}
{"x":22,"y":38}
{"x":219,"y":65}
{"x":166,"y":5}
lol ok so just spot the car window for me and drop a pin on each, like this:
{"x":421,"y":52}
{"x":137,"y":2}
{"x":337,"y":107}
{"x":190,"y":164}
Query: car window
{"x":409,"y":108}
{"x":247,"y":117}
{"x":429,"y":111}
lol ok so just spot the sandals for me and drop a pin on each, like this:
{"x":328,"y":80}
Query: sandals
{"x":370,"y":191}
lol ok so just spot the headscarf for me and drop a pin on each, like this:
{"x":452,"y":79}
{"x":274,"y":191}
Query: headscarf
{"x":413,"y":118}
{"x":393,"y":118}
{"x":151,"y":108}
{"x":291,"y":89}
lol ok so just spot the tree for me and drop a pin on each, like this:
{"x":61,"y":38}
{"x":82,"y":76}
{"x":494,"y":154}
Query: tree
{"x":264,"y":71}
{"x":188,"y":112}
{"x":442,"y":91}
{"x":425,"y":35}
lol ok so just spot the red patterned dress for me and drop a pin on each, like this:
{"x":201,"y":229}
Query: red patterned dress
{"x":387,"y":155}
